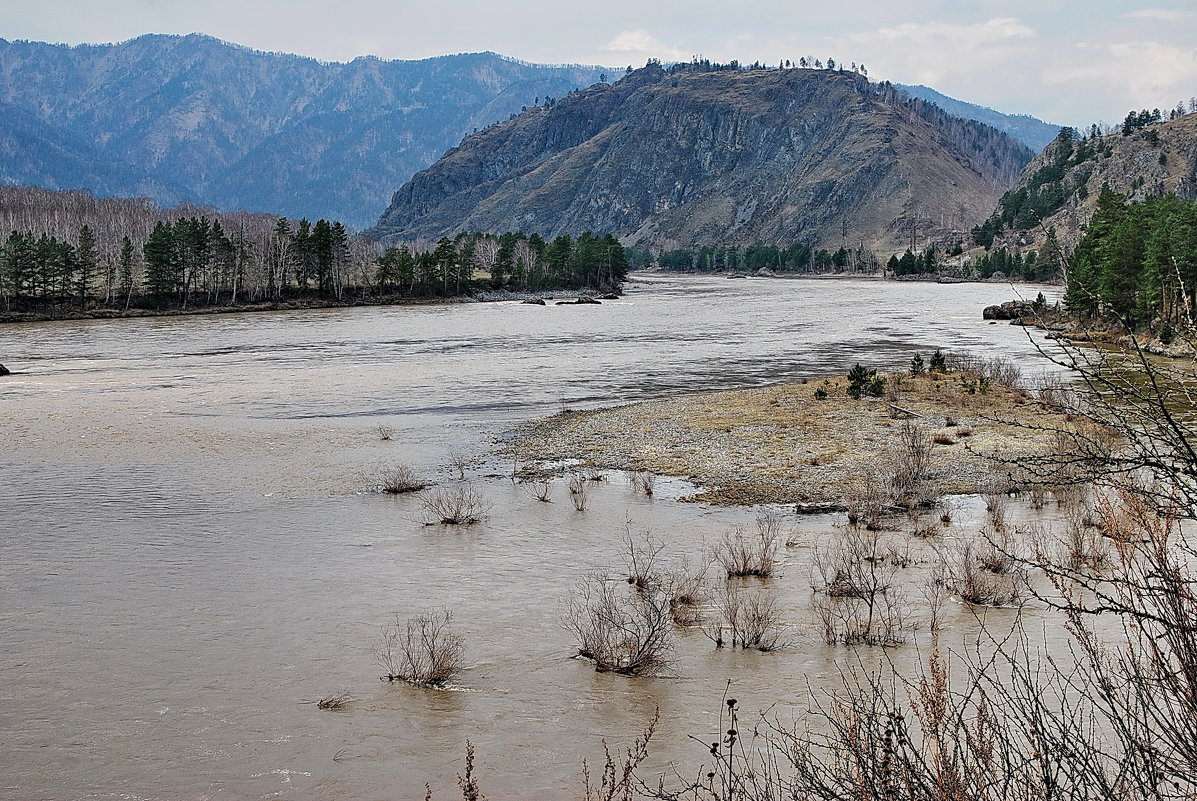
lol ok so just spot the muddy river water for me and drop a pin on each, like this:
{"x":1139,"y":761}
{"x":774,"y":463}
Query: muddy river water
{"x":189,"y":550}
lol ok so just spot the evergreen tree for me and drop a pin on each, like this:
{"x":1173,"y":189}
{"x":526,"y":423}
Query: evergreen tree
{"x":162,"y":264}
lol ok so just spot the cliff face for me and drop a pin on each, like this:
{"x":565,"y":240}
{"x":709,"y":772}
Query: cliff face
{"x":193,"y":118}
{"x":1068,"y":177}
{"x":728,"y":157}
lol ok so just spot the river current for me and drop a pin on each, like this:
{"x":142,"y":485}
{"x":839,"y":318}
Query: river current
{"x":189,"y":550}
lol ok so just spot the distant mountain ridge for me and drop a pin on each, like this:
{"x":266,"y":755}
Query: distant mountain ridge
{"x":193,"y":118}
{"x":690,"y":156}
{"x":1032,"y":132}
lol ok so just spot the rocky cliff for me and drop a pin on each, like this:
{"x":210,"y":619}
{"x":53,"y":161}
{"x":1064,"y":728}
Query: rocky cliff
{"x":192,"y":118}
{"x":683,"y":156}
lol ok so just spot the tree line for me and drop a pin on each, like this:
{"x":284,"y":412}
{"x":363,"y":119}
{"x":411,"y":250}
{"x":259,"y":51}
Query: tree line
{"x":513,"y":261}
{"x":69,"y":252}
{"x":1137,"y":262}
{"x":797,"y":257}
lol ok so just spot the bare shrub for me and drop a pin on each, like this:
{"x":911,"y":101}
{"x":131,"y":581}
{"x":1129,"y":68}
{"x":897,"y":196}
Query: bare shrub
{"x":934,"y":592}
{"x":910,"y":463}
{"x":1084,"y":547}
{"x":748,"y":619}
{"x":578,"y":491}
{"x":744,"y":553}
{"x":854,"y":588}
{"x":595,"y":474}
{"x":540,"y":490}
{"x":925,"y":528}
{"x":400,"y":479}
{"x":686,"y":588}
{"x":852,"y":621}
{"x":968,"y":578}
{"x":422,"y":651}
{"x":1037,"y":496}
{"x":964,"y":432}
{"x":642,"y":481}
{"x":336,"y":701}
{"x":943,"y":439}
{"x":458,"y":505}
{"x":997,"y":370}
{"x":868,"y":498}
{"x":642,"y":557}
{"x":458,"y":461}
{"x":385,"y":432}
{"x":998,"y":554}
{"x":621,"y":630}
{"x":996,"y":506}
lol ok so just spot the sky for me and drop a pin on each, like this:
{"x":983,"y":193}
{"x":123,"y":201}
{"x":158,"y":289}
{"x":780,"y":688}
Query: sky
{"x":1070,"y":62}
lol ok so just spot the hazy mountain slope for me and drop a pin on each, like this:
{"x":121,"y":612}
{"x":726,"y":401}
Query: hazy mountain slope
{"x":239,"y":128}
{"x":687,"y":156}
{"x":1032,"y":132}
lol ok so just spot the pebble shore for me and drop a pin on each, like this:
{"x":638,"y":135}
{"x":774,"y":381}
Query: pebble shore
{"x":780,"y":444}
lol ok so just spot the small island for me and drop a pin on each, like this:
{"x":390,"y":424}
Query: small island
{"x":809,"y":444}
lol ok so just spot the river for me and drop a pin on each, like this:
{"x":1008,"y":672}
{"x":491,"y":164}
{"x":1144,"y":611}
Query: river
{"x":190,"y":549}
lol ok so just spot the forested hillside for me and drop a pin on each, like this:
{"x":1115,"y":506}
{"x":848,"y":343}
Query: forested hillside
{"x":1137,"y":262}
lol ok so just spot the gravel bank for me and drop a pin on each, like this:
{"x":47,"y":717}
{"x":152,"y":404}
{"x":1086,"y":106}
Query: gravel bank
{"x":780,"y":444}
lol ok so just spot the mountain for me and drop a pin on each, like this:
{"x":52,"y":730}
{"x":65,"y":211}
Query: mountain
{"x":698,"y":156}
{"x":1059,"y":188}
{"x":1032,"y":132}
{"x":192,"y":118}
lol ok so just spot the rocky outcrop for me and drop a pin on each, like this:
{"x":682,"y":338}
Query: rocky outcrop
{"x":1010,"y":310}
{"x":686,"y":156}
{"x":4,"y":370}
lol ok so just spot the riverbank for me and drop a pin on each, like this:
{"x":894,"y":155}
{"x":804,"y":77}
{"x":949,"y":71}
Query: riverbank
{"x":1068,"y":327}
{"x":295,"y":304}
{"x":782,"y":444}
